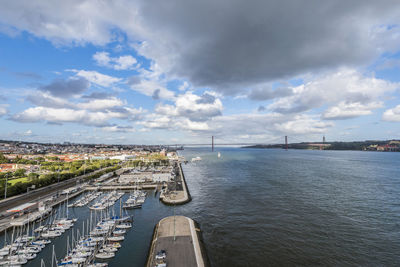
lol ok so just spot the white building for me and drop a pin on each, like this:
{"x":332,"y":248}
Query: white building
{"x":123,"y":157}
{"x":161,"y":177}
{"x":136,"y":177}
{"x":142,"y":177}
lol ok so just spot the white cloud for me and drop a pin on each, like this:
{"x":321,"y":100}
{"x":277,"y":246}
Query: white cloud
{"x":301,"y":124}
{"x":190,"y":112}
{"x":45,"y":99}
{"x":193,"y":107}
{"x":119,"y":129}
{"x":246,"y":127}
{"x":28,"y":133}
{"x":187,"y":124}
{"x":101,"y":104}
{"x":97,"y":78}
{"x":102,"y":58}
{"x":350,"y":110}
{"x":392,"y":114}
{"x":272,"y":123}
{"x":126,"y":62}
{"x":72,"y":22}
{"x":262,"y":128}
{"x":3,"y":110}
{"x":89,"y":117}
{"x":154,"y":121}
{"x":230,"y":58}
{"x":233,"y":55}
{"x":346,"y":92}
{"x":184,"y":86}
{"x":152,"y":88}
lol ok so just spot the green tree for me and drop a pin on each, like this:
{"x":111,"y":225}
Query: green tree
{"x":19,"y":172}
{"x":3,"y":159}
{"x":33,"y":176}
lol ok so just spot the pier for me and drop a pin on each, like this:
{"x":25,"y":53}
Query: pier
{"x":180,"y":238}
{"x":178,"y":192}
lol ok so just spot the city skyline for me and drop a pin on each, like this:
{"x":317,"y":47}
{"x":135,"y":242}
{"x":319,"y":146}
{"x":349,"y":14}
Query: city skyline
{"x":137,"y":72}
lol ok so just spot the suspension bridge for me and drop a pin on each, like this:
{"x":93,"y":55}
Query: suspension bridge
{"x":285,"y":142}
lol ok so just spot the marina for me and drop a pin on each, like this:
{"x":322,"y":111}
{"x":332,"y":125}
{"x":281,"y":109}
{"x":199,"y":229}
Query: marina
{"x":96,"y":238}
{"x":91,"y":220}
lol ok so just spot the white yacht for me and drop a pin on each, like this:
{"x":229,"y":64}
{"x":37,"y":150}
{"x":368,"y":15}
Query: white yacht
{"x":196,"y":159}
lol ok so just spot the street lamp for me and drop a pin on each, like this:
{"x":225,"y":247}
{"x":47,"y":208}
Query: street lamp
{"x":5,"y":189}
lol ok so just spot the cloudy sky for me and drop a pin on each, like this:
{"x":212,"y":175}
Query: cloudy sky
{"x":179,"y":71}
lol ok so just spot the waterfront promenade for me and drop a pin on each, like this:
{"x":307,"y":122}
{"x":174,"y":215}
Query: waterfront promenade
{"x":178,"y":236}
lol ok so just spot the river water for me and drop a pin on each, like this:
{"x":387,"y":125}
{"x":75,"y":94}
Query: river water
{"x":274,"y":207}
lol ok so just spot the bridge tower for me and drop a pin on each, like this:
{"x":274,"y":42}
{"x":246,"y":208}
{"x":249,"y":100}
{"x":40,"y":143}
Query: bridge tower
{"x":286,"y":143}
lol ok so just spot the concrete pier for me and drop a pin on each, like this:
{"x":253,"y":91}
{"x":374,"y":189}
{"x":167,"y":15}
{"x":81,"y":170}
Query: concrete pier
{"x":179,"y":194}
{"x":180,"y":238}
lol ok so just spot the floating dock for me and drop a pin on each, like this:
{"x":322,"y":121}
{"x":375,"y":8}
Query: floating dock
{"x":180,"y":238}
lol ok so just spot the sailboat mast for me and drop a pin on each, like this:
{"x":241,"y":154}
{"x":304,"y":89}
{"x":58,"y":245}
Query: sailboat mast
{"x":52,"y":258}
{"x":67,"y":244}
{"x":120,"y":207}
{"x":67,"y":207}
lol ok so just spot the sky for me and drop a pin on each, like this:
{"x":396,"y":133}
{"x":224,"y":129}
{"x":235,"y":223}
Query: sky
{"x":179,"y":71}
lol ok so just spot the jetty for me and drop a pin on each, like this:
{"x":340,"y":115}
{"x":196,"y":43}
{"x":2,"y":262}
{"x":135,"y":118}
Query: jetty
{"x":178,"y":192}
{"x":177,"y":242}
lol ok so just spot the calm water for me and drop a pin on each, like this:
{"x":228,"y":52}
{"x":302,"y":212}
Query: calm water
{"x":280,"y":208}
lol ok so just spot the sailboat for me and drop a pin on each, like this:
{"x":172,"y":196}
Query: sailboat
{"x":219,"y":154}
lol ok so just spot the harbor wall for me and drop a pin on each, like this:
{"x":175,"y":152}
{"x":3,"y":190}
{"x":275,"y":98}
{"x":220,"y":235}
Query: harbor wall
{"x":186,"y":198}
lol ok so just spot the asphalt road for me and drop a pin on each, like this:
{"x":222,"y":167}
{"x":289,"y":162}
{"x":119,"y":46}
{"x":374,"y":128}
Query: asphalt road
{"x":180,"y":253}
{"x":40,"y":193}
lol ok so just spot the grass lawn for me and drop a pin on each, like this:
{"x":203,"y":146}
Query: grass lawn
{"x":14,"y":181}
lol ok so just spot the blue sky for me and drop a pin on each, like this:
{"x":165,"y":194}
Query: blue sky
{"x":136,"y":72}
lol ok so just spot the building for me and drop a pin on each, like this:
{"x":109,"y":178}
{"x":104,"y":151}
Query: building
{"x":135,"y":177}
{"x":161,"y":177}
{"x":153,"y":176}
{"x":123,"y":157}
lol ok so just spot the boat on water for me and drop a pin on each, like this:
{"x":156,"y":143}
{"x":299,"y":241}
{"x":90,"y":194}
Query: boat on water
{"x":196,"y":159}
{"x":133,"y":205}
{"x":219,"y":154}
{"x":98,"y":264}
{"x":116,"y":238}
{"x":135,"y":200}
{"x":123,"y":226}
{"x":105,"y":255}
{"x":119,"y":232}
{"x":108,"y":249}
